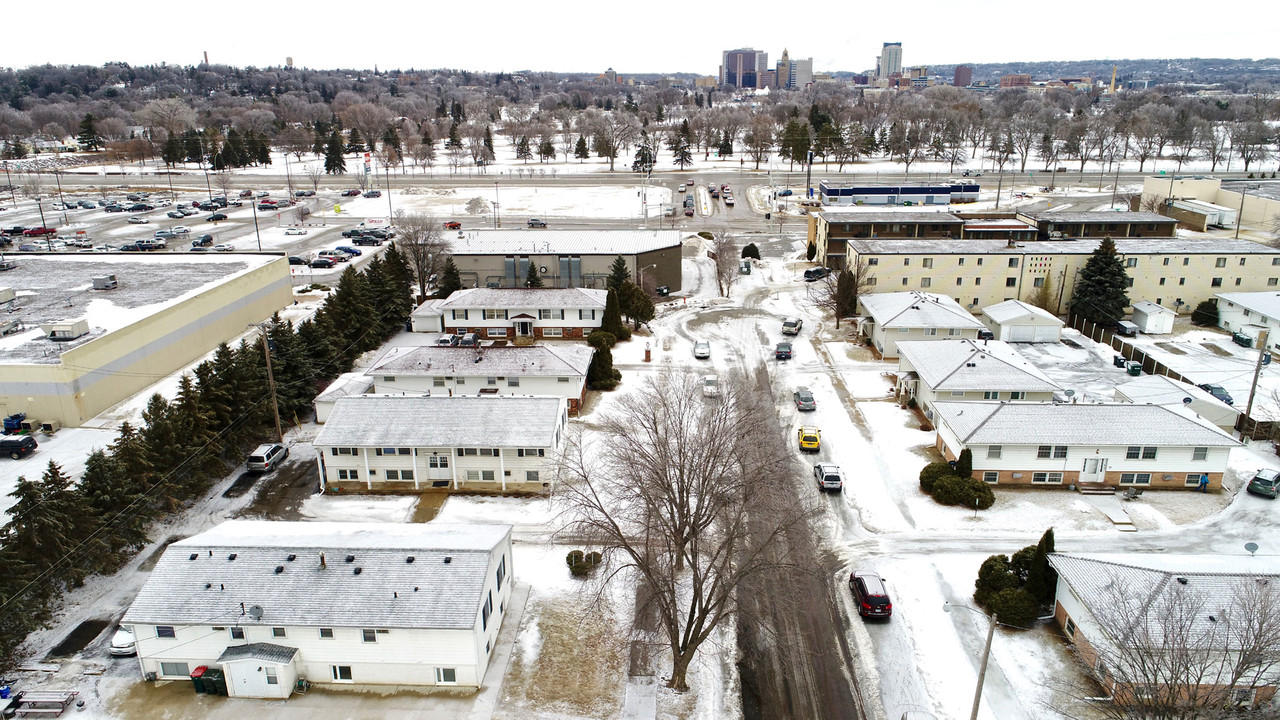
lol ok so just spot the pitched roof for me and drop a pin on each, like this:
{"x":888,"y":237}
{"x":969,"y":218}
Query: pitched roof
{"x":440,"y":421}
{"x":533,"y":360}
{"x":197,"y":582}
{"x":563,"y":242}
{"x":1112,"y":424}
{"x":1011,"y":310}
{"x":1264,"y":303}
{"x":267,"y":652}
{"x":1161,"y":390}
{"x":968,"y":364}
{"x":917,"y":309}
{"x":548,"y":298}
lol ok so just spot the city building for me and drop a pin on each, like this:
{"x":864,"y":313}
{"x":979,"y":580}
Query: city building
{"x":85,"y":331}
{"x":338,"y":605}
{"x":967,"y":370}
{"x":522,"y":314}
{"x":834,"y":193}
{"x":408,"y":442}
{"x":963,"y":76}
{"x":794,"y":74}
{"x":744,"y":68}
{"x":567,"y":258}
{"x":890,"y":62}
{"x":1252,"y":313}
{"x":611,"y":76}
{"x":1015,"y":80}
{"x":1255,"y":202}
{"x":892,"y":317}
{"x":1059,"y":225}
{"x":1016,"y":321}
{"x":1059,"y":444}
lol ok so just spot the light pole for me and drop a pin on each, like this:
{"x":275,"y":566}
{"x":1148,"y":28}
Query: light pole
{"x":9,"y":180}
{"x":256,"y":232}
{"x":640,"y":274}
{"x":986,"y":654}
{"x":1240,"y":212}
{"x":386,"y":170}
{"x":57,"y":177}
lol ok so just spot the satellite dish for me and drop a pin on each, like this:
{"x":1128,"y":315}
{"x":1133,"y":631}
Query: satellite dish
{"x":1069,"y":393}
{"x":1186,"y":401}
{"x":255,"y":612}
{"x":1252,"y":547}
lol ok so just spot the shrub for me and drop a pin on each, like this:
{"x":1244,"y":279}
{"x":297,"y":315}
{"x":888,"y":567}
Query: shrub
{"x":573,"y":558}
{"x":599,"y":339}
{"x":964,"y":463}
{"x":594,"y":559}
{"x":993,"y":576}
{"x":705,"y":235}
{"x":964,"y":491}
{"x":911,"y":403}
{"x":811,"y":252}
{"x":1205,"y":314}
{"x":751,"y":251}
{"x":580,"y":569}
{"x":1014,"y":606}
{"x":930,"y":474}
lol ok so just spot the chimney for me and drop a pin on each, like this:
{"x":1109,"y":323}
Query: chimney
{"x":322,"y":565}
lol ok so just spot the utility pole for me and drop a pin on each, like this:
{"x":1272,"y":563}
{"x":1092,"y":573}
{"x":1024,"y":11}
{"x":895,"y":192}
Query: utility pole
{"x":1253,"y":389}
{"x":271,"y":379}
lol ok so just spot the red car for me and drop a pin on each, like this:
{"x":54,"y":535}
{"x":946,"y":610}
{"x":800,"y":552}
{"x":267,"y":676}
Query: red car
{"x":266,"y":202}
{"x":40,"y":231}
{"x":453,"y":225}
{"x":350,"y":193}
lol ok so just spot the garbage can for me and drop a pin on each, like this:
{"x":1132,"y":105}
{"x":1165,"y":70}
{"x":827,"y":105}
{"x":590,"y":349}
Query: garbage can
{"x":1118,"y":361}
{"x":215,"y":683}
{"x":197,"y":679}
{"x":663,"y":291}
{"x":1135,"y":368}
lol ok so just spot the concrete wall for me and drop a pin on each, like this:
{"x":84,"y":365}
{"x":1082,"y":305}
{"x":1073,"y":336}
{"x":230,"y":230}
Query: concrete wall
{"x":94,"y":376}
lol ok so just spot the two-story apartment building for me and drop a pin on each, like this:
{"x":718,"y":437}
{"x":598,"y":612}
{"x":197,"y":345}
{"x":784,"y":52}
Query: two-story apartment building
{"x":415,"y":441}
{"x":893,"y":317}
{"x":1057,"y":444}
{"x":557,"y":370}
{"x":336,"y":604}
{"x":967,"y":370}
{"x":1250,"y":313}
{"x":520,"y":314}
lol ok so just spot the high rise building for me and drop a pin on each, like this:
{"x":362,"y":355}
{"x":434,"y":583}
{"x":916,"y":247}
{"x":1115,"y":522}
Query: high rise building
{"x":743,"y":68}
{"x":890,"y":60}
{"x":794,"y":74}
{"x":963,"y":76}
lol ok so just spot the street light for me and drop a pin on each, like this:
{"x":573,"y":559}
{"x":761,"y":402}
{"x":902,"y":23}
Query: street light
{"x":640,"y":274}
{"x":986,"y":653}
{"x":1240,"y":212}
{"x":9,"y":180}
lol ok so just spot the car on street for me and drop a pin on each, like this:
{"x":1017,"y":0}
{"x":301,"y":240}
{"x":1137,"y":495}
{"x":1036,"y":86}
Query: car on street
{"x":349,"y":250}
{"x":828,"y":476}
{"x":224,"y":247}
{"x":138,"y":220}
{"x":350,"y":193}
{"x":1265,"y":483}
{"x":791,"y":326}
{"x":815,"y":274}
{"x":334,"y":255}
{"x":810,"y":438}
{"x":728,"y":199}
{"x":804,"y":399}
{"x":198,"y":248}
{"x":784,"y":192}
{"x":266,"y":458}
{"x":536,"y":223}
{"x":453,"y":225}
{"x":123,"y":643}
{"x":782,"y":351}
{"x":373,"y":193}
{"x":295,"y":231}
{"x":216,"y":217}
{"x":702,"y":349}
{"x":205,"y":240}
{"x":1218,"y":392}
{"x":179,"y":229}
{"x":870,"y":594}
{"x":688,"y":212}
{"x":261,"y":194}
{"x":710,"y":386}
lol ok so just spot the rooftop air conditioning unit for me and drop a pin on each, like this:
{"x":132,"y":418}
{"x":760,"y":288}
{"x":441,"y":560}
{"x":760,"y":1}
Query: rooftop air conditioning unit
{"x":105,"y":282}
{"x":7,"y":294}
{"x":9,"y":326}
{"x":65,"y":330}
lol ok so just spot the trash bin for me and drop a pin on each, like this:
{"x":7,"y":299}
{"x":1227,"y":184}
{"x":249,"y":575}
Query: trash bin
{"x":5,"y":692}
{"x":663,"y":291}
{"x":1135,"y":368}
{"x":197,"y":679}
{"x":1118,"y":361}
{"x":215,"y":683}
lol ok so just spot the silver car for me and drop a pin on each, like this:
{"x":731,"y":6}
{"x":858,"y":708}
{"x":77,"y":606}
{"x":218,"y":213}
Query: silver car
{"x":702,"y":349}
{"x":804,"y":399}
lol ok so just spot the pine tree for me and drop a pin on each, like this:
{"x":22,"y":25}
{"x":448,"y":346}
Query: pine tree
{"x":580,"y":150}
{"x":489,"y":153}
{"x":1100,"y":295}
{"x":455,"y":140}
{"x":846,"y":296}
{"x":171,"y":153}
{"x":601,"y":374}
{"x":546,"y":150}
{"x":684,"y":131}
{"x":681,"y":153}
{"x":725,"y":148}
{"x":89,"y":138}
{"x":334,"y":162}
{"x":811,"y":252}
{"x":644,"y":159}
{"x":618,"y":274}
{"x":612,"y":320}
{"x":355,"y":143}
{"x":391,"y":139}
{"x":1042,"y":579}
{"x":531,"y":278}
{"x":523,"y":150}
{"x":450,"y":280}
{"x":636,"y":303}
{"x":750,"y":251}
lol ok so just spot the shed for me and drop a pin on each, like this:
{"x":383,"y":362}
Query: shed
{"x":1153,"y":319}
{"x":1017,"y":321}
{"x":347,"y":384}
{"x":260,"y":670}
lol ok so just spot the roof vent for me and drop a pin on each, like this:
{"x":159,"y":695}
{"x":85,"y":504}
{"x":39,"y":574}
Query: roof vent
{"x":1182,"y":581}
{"x":1213,"y":618}
{"x":208,"y":586}
{"x":291,"y":557}
{"x":355,"y":571}
{"x":447,"y":559}
{"x":232,"y":556}
{"x":279,"y":569}
{"x":194,"y":556}
{"x":409,"y":559}
{"x":351,"y":558}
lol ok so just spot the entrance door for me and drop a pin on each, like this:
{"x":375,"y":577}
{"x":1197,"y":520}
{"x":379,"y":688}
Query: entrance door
{"x":1095,"y":470}
{"x":524,"y":328}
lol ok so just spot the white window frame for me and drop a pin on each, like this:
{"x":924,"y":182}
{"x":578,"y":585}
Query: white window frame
{"x":165,"y":668}
{"x":440,"y":676}
{"x":994,"y":452}
{"x":337,"y":671}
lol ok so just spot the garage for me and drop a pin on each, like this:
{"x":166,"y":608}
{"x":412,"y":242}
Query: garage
{"x":1017,"y":321}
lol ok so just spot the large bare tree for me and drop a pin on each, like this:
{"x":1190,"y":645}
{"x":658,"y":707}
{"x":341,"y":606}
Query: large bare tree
{"x":423,"y":245}
{"x":725,"y":254}
{"x":838,"y":292}
{"x":685,"y":493}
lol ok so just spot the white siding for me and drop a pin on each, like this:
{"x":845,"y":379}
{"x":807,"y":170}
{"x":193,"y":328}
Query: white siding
{"x":473,"y":384}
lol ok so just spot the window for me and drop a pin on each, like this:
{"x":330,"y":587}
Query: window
{"x":1199,"y":453}
{"x":953,"y":331}
{"x":904,"y":281}
{"x":341,"y":673}
{"x":277,"y":632}
{"x":531,"y":476}
{"x":961,"y":262}
{"x":1070,"y":628}
{"x":957,"y":393}
{"x":1133,"y":452}
{"x":473,"y":476}
{"x":873,"y":261}
{"x":174,"y":669}
{"x":495,"y":314}
{"x":388,"y":378}
{"x":369,"y":636}
{"x":237,"y":633}
{"x":1128,"y":282}
{"x":1148,"y":453}
{"x":1237,"y":282}
{"x":1271,"y":282}
{"x":399,"y":474}
{"x":1162,"y":281}
{"x":488,"y":452}
{"x":1182,"y":281}
{"x":906,"y":261}
{"x":1135,"y":478}
{"x":587,"y":314}
{"x":392,"y":451}
{"x":460,"y":381}
{"x":1037,"y":282}
{"x":979,"y":261}
{"x":486,"y":475}
{"x":348,"y":474}
{"x":926,"y":282}
{"x":438,"y":461}
{"x":993,"y":452}
{"x":1186,"y":261}
{"x":1011,"y":282}
{"x":872,"y":280}
{"x":1131,"y":262}
{"x":977,"y":281}
{"x":1275,"y":261}
{"x":929,"y":332}
{"x":446,"y":676}
{"x":959,"y":281}
{"x":1192,"y":480}
{"x":513,"y":382}
{"x":562,"y":379}
{"x":467,"y":452}
{"x":484,"y":612}
{"x":496,"y":332}
{"x":1013,"y":262}
{"x":459,"y":314}
{"x":491,"y":381}
{"x":1044,"y":451}
{"x":1220,"y":262}
{"x":1242,"y":262}
{"x":437,"y":382}
{"x":927,"y":262}
{"x":1166,"y":261}
{"x":502,"y":571}
{"x":344,"y":451}
{"x":165,"y":631}
{"x":991,"y":476}
{"x":1059,"y":451}
{"x":990,"y":394}
{"x":271,"y":675}
{"x":1243,"y":697}
{"x":1046,"y":477}
{"x":551,"y":314}
{"x":1017,"y":395}
{"x":552,"y":332}
{"x":326,"y":633}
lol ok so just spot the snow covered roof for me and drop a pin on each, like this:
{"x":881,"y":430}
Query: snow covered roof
{"x":968,"y":364}
{"x":1112,"y":424}
{"x":1263,"y":303}
{"x":216,"y":576}
{"x":915,"y":309}
{"x":267,"y":652}
{"x":346,"y":385}
{"x":859,"y":215}
{"x":1098,"y":216}
{"x":1161,"y":390}
{"x":440,"y":421}
{"x":567,"y":242}
{"x":1011,"y":310}
{"x":533,"y":360}
{"x":1082,"y":246}
{"x":428,"y":309}
{"x":545,"y":298}
{"x":1151,"y":308}
{"x":996,"y":224}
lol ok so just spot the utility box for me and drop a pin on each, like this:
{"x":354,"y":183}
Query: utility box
{"x":1134,"y":368}
{"x":65,"y":330}
{"x":50,"y":427}
{"x":105,"y":282}
{"x":27,"y":425}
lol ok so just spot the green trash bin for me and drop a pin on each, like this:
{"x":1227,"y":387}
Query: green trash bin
{"x":215,"y":683}
{"x":198,"y":681}
{"x":1135,"y":368}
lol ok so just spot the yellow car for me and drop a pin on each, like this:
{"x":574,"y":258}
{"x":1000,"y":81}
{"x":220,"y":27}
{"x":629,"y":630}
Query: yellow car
{"x":810,"y":438}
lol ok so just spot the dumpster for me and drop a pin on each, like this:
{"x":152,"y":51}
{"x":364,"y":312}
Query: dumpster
{"x":197,"y":679}
{"x":1134,"y":368}
{"x":1241,"y":339}
{"x":1118,"y":361}
{"x":215,"y":682}
{"x":663,"y":291}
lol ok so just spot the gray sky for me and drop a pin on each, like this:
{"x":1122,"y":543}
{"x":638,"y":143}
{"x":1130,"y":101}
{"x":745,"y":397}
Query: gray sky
{"x":634,"y":37}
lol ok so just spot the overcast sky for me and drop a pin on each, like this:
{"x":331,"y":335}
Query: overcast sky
{"x":635,"y":37}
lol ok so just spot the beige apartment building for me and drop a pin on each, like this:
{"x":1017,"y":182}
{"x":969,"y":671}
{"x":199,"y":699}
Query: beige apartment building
{"x":1175,"y":273}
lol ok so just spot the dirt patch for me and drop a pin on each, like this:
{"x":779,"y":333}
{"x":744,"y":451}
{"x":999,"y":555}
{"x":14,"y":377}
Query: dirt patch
{"x":428,"y":506}
{"x":1171,"y":348}
{"x":1213,"y":348}
{"x":570,"y":660}
{"x":241,"y":485}
{"x":154,"y":557}
{"x":280,"y":494}
{"x":75,"y":641}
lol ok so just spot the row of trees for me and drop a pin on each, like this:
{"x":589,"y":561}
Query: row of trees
{"x":58,"y":534}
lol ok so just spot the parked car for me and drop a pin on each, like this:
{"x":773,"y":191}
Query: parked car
{"x":296,"y":260}
{"x":179,"y":229}
{"x":138,"y":220}
{"x":349,"y":250}
{"x":204,"y":240}
{"x":710,"y":386}
{"x":784,"y":192}
{"x":728,"y":199}
{"x":123,"y":643}
{"x":246,"y":193}
{"x":323,"y":263}
{"x":366,"y":240}
{"x":39,"y":231}
{"x":688,"y":212}
{"x":702,"y":349}
{"x":88,"y":204}
{"x":1218,"y":392}
{"x":335,"y":255}
{"x":810,"y":438}
{"x":469,"y":340}
{"x":266,"y":458}
{"x":791,"y":326}
{"x":176,"y":214}
{"x":813,"y":274}
{"x":295,"y":231}
{"x":224,"y":247}
{"x":130,"y":247}
{"x":447,"y":340}
{"x":164,"y":234}
{"x":354,"y":232}
{"x":870,"y":594}
{"x":536,"y":223}
{"x":828,"y":476}
{"x":261,"y":194}
{"x":804,"y":399}
{"x":15,"y":230}
{"x":141,"y":207}
{"x":453,"y":225}
{"x":1265,"y":483}
{"x":199,"y":248}
{"x":373,"y":193}
{"x":782,"y":351}
{"x":216,"y":217}
{"x":113,"y":208}
{"x":350,"y":193}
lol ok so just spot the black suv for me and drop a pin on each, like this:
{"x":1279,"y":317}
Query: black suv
{"x":870,"y":594}
{"x":18,"y":447}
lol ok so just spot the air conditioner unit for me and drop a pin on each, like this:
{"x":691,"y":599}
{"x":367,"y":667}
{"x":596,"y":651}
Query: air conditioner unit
{"x":105,"y":282}
{"x":50,"y":427}
{"x":928,"y":414}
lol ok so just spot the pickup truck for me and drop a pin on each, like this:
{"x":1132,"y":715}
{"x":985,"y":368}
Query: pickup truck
{"x":39,"y":231}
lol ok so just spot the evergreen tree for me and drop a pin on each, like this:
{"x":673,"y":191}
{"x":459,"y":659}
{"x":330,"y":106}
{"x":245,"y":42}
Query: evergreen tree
{"x":618,"y":274}
{"x":681,"y":153}
{"x":795,"y":142}
{"x":489,"y":153}
{"x":580,"y":150}
{"x":546,"y":150}
{"x":726,"y":146}
{"x":523,"y":149}
{"x":317,"y":342}
{"x":334,"y":162}
{"x":964,"y":463}
{"x":811,"y":252}
{"x":644,"y":159}
{"x":450,"y":280}
{"x":1205,"y":314}
{"x":612,"y":321}
{"x":442,"y":110}
{"x":846,"y":296}
{"x":89,"y":138}
{"x":660,"y":114}
{"x":1042,"y":579}
{"x":233,"y":151}
{"x":636,"y":303}
{"x":751,"y":251}
{"x":14,"y":149}
{"x":172,"y":151}
{"x":454,"y":140}
{"x":1100,"y":294}
{"x":391,"y":139}
{"x":601,"y":374}
{"x":355,"y":143}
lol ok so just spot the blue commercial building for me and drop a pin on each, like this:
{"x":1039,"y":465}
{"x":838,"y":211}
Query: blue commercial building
{"x":838,"y":194}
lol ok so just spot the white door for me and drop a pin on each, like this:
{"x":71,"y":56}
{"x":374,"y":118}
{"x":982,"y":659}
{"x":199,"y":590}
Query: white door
{"x":1022,"y":333}
{"x":1047,"y":333}
{"x":1095,"y":470}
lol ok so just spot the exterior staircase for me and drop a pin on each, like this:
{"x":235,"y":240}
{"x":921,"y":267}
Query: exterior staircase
{"x":1095,"y":489}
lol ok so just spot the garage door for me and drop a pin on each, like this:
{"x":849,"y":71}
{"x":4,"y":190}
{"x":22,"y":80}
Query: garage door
{"x":1047,"y":333}
{"x":1022,"y":333}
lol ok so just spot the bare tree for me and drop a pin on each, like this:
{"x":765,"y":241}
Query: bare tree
{"x":838,"y":292}
{"x":313,"y":172}
{"x":759,"y":139}
{"x":423,"y":245}
{"x":683,"y":492}
{"x":613,"y":132}
{"x":170,"y":114}
{"x":224,"y":180}
{"x":725,"y":254}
